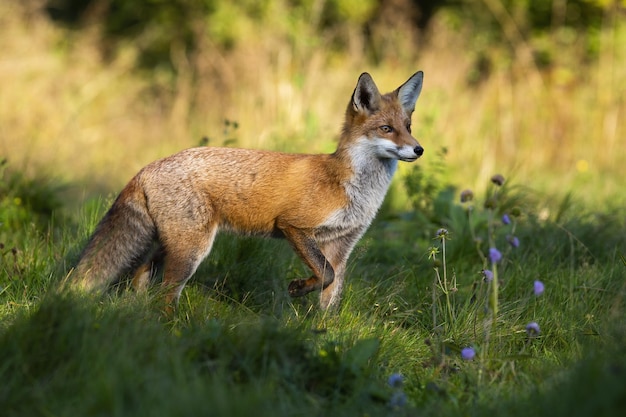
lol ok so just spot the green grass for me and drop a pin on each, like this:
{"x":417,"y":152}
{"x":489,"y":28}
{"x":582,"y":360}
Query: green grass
{"x":238,"y":345}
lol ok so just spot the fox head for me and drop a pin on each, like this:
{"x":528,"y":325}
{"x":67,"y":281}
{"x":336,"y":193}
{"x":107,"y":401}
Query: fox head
{"x":383,"y":122}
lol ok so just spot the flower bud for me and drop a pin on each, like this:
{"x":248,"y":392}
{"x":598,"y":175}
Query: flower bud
{"x":513,"y":241}
{"x":467,"y":195}
{"x":490,"y":203}
{"x":497,"y":180}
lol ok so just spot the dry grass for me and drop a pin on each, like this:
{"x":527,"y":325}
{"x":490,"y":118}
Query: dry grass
{"x":65,"y":111}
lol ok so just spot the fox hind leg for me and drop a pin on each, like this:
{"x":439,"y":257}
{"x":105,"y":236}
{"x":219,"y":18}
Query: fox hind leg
{"x":146,"y":272}
{"x":182,"y":255}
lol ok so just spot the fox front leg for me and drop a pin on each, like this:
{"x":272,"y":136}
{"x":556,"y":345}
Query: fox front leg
{"x":307,"y":248}
{"x":337,"y":252}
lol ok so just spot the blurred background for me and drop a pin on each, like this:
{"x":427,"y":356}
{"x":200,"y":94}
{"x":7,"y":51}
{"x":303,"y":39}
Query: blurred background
{"x":92,"y":90}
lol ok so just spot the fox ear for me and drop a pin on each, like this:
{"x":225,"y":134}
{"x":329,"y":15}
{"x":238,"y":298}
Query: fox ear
{"x":410,"y":91}
{"x":366,"y":97}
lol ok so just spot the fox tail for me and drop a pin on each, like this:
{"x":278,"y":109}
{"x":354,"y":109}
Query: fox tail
{"x":120,"y":243}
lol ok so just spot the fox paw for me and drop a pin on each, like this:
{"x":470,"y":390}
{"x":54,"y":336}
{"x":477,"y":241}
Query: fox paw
{"x":298,"y":288}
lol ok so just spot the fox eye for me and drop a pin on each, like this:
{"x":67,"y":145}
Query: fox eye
{"x":408,"y":127}
{"x":386,"y":128}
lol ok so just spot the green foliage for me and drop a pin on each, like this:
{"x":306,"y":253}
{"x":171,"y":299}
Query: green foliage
{"x":429,"y":191}
{"x":68,"y":356}
{"x":530,"y":35}
{"x":160,"y":27}
{"x":594,"y":386}
{"x":503,"y":299}
{"x":24,"y":200}
{"x":28,"y":206}
{"x":155,"y":24}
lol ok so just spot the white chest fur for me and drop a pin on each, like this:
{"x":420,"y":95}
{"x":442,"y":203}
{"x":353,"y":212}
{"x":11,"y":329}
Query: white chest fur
{"x":365,"y":191}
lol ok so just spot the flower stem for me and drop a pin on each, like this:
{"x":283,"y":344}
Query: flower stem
{"x":493,"y":296}
{"x":434,"y":305}
{"x":446,"y":290}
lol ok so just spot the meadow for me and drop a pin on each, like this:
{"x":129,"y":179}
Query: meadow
{"x":492,"y":281}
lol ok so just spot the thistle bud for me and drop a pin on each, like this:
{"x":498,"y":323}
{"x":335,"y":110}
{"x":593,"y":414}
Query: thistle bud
{"x":497,"y":180}
{"x":467,"y":195}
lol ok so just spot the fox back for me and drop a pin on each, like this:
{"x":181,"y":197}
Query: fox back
{"x":170,"y":212}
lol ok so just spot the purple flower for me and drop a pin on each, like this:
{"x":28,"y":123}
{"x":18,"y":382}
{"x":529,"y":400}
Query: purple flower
{"x":538,"y":288}
{"x":514,"y":241}
{"x":488,"y":275}
{"x":506,"y":219}
{"x":468,"y":353}
{"x":494,"y":255}
{"x":532,"y":329}
{"x":395,"y":380}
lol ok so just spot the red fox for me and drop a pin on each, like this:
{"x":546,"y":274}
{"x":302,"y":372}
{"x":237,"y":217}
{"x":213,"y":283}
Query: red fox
{"x":322,"y":204}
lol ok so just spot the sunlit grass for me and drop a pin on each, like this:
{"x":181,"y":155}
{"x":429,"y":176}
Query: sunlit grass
{"x":90,"y":121}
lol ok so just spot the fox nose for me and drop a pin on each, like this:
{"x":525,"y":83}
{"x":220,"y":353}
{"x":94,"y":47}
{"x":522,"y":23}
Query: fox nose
{"x":418,"y":150}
